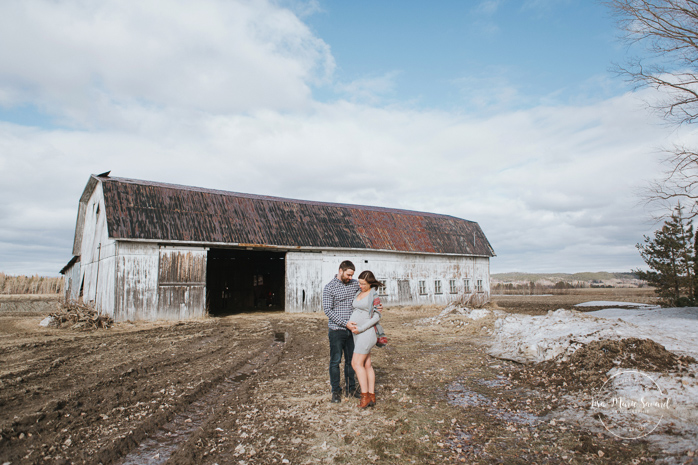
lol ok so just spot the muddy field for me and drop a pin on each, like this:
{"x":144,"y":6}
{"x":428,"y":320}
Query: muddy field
{"x":254,"y":389}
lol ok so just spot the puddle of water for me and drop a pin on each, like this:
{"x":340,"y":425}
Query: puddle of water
{"x":500,"y":381}
{"x":461,"y":396}
{"x":160,"y":446}
{"x":522,"y":418}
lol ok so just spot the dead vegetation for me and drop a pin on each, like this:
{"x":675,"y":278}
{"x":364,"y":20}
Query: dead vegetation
{"x":19,"y":285}
{"x":78,"y":316}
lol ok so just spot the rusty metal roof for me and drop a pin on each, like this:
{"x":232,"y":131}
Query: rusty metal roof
{"x":166,"y":212}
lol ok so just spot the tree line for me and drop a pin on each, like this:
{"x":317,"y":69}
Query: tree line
{"x":30,"y":284}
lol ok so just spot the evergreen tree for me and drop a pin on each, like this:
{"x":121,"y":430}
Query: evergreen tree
{"x":671,"y":257}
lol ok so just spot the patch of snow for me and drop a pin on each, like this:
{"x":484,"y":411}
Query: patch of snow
{"x":525,"y":338}
{"x":457,"y":310}
{"x":479,"y":313}
{"x":611,"y":303}
{"x":49,"y":321}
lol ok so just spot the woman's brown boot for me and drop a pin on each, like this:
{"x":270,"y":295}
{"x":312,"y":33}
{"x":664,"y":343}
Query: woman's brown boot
{"x":372,"y":400}
{"x":365,"y":400}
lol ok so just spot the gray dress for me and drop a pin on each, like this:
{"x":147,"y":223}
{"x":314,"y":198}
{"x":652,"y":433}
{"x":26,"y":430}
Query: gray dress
{"x":366,"y":339}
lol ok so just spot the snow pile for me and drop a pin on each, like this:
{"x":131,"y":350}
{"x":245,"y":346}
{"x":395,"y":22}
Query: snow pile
{"x":557,"y":335}
{"x":525,"y":338}
{"x":457,"y":310}
{"x":479,"y":314}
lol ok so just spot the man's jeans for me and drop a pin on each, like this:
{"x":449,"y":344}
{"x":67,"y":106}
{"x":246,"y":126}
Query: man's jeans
{"x":341,"y":341}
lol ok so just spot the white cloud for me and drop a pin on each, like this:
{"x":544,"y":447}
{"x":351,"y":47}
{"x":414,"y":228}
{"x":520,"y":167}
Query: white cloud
{"x":487,"y":7}
{"x":551,"y":187}
{"x":369,"y":90}
{"x":544,"y":6}
{"x":491,"y":92}
{"x":83,"y":60}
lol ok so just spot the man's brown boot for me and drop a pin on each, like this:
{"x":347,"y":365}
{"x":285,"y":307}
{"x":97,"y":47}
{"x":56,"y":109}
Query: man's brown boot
{"x":365,"y":400}
{"x":372,"y":400}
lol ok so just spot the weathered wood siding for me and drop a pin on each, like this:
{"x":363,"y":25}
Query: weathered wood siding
{"x":136,"y":281}
{"x":307,"y":274}
{"x":71,"y":280}
{"x":304,"y":278}
{"x":97,"y":269}
{"x":182,"y":283}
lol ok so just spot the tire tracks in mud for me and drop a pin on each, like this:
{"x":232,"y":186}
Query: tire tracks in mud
{"x":178,"y":432}
{"x":72,"y":370}
{"x":115,"y":407}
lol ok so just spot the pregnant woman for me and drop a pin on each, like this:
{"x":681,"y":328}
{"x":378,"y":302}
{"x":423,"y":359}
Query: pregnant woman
{"x":365,"y":317}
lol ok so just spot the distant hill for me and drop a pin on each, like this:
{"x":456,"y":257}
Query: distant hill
{"x":567,"y":277}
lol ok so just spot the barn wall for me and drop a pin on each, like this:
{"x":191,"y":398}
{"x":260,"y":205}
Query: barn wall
{"x":303,"y":279}
{"x":97,"y":256}
{"x":136,"y":285}
{"x":71,"y":282}
{"x":307,"y":274}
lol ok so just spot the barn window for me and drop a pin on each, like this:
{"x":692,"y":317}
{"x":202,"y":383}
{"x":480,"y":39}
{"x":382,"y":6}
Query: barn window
{"x":382,"y":289}
{"x":437,"y":287}
{"x":467,"y":286}
{"x":478,"y":286}
{"x":422,"y":287}
{"x":453,"y":287}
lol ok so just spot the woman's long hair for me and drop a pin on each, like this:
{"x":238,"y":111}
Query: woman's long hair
{"x":370,"y":279}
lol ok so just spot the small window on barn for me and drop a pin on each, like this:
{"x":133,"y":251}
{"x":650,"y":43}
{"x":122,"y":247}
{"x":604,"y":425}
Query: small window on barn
{"x":453,"y":287}
{"x":467,"y":286}
{"x":382,"y":289}
{"x":478,"y":286}
{"x":437,"y":287}
{"x":422,"y":287}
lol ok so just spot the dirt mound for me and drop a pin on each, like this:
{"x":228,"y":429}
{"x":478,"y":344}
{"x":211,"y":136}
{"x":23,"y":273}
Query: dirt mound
{"x":586,"y":368}
{"x":641,"y":354}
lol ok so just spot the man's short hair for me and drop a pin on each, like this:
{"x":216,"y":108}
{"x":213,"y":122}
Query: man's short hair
{"x":347,"y":265}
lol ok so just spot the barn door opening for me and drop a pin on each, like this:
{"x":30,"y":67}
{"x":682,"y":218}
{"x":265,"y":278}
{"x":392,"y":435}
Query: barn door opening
{"x":245,"y":280}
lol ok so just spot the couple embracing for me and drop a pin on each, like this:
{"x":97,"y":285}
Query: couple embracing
{"x":353,"y":309}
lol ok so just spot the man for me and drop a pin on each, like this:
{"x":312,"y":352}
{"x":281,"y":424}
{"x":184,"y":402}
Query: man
{"x":337,"y":298}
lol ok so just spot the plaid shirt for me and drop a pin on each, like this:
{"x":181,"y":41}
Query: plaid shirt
{"x":337,"y":299}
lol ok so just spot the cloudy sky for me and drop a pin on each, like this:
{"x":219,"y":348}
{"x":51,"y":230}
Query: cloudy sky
{"x":500,"y":111}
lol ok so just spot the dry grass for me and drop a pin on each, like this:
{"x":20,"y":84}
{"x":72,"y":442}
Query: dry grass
{"x":30,"y":284}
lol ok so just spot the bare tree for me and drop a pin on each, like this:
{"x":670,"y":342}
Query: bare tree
{"x":668,"y":31}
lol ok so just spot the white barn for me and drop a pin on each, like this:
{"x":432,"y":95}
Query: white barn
{"x":146,"y":250}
